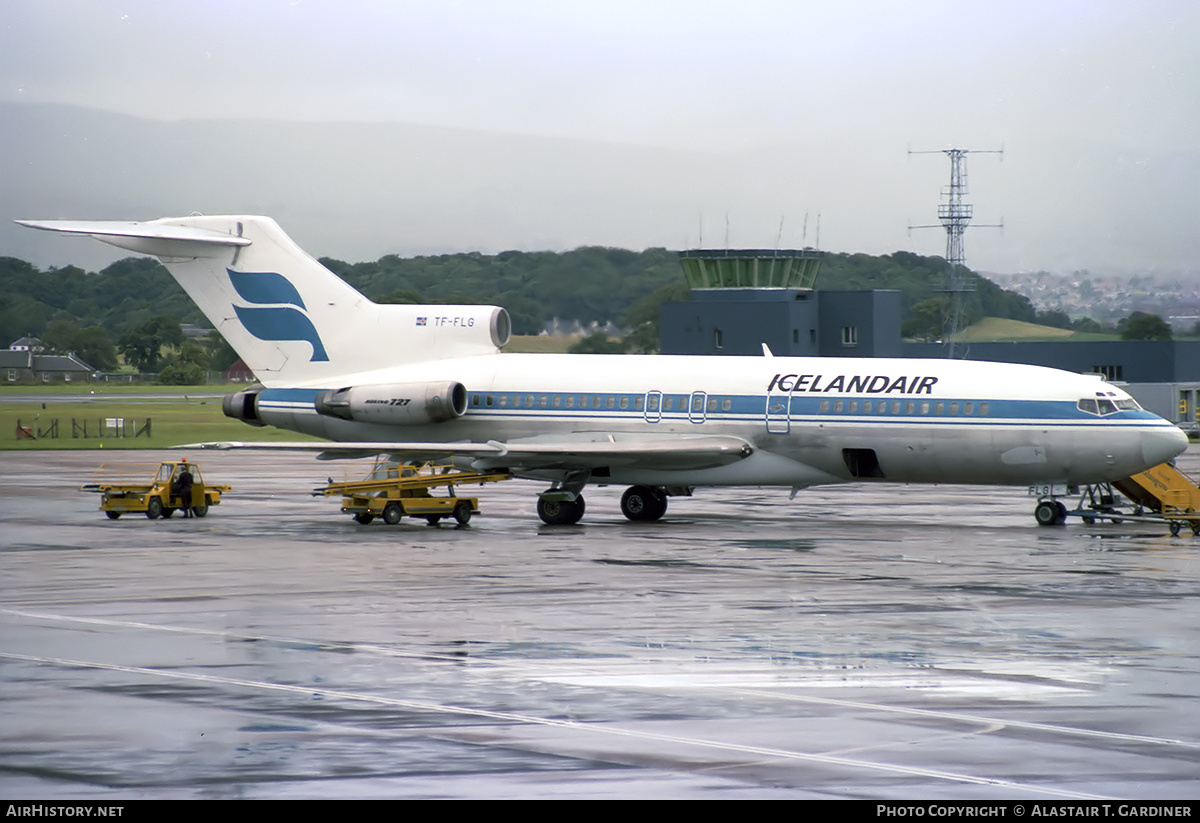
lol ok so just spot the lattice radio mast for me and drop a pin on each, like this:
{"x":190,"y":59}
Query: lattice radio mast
{"x":955,"y":215}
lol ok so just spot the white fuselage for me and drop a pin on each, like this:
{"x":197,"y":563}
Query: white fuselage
{"x":810,"y":420}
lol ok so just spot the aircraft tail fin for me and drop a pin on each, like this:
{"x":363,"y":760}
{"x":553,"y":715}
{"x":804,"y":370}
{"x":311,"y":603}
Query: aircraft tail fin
{"x":290,"y":319}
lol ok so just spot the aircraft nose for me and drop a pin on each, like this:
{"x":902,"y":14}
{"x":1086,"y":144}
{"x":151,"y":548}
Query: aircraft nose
{"x":1162,"y":443}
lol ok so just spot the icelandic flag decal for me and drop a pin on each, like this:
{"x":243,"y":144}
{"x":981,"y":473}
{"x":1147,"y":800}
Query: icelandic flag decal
{"x":421,"y":321}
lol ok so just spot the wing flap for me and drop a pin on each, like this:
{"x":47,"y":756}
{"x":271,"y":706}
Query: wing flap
{"x":569,"y":452}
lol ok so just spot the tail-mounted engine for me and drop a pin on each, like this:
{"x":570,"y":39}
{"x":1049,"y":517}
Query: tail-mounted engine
{"x":243,"y":406}
{"x":403,"y":404}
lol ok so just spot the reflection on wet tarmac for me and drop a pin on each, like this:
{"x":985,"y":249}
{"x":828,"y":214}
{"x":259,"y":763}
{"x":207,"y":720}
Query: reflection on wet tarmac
{"x":867,"y":641}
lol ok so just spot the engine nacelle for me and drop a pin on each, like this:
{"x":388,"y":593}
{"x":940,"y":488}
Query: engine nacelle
{"x":242,"y":406}
{"x":397,"y":404}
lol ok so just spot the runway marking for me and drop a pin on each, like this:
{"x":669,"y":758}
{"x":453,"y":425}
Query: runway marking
{"x":969,"y":718}
{"x":763,"y":751}
{"x":508,"y":665}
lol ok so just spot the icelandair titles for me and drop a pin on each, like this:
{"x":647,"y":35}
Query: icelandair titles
{"x":870,"y":384}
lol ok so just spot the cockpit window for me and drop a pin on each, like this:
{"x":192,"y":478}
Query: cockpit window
{"x":1103,"y":406}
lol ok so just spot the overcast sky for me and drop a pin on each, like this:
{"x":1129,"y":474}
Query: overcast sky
{"x":1096,"y":102}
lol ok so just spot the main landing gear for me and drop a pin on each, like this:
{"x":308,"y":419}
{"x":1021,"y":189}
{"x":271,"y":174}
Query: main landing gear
{"x":643,"y":503}
{"x":638,"y":503}
{"x":560,"y":512}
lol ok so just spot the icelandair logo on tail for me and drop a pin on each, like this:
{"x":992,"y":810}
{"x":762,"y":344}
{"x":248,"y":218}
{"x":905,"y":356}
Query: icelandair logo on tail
{"x":279,"y":321}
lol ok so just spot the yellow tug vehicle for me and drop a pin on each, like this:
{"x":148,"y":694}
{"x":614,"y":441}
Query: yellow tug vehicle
{"x":154,"y":489}
{"x":393,"y":491}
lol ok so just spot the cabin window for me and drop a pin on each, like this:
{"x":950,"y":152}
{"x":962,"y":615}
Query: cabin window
{"x":557,"y":401}
{"x":490,"y":400}
{"x":853,"y":406}
{"x":503,"y":400}
{"x":824,"y":405}
{"x":474,"y":400}
{"x":726,"y":404}
{"x":837,"y":405}
{"x":895,"y":407}
{"x":866,"y":407}
{"x":983,"y":409}
{"x":652,"y":402}
{"x":570,"y":401}
{"x":910,"y":407}
{"x":1128,"y":404}
{"x":1107,"y":407}
{"x":624,"y":404}
{"x":596,"y":402}
{"x":668,"y":403}
{"x":529,"y":400}
{"x":542,"y":401}
{"x":924,"y":407}
{"x":1087,"y":405}
{"x":939,"y":408}
{"x":968,"y":408}
{"x":712,"y":404}
{"x":954,"y":407}
{"x":638,"y":402}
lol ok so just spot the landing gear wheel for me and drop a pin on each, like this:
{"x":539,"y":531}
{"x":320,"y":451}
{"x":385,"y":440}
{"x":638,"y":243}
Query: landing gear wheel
{"x":462,"y":513}
{"x":392,"y":514}
{"x":643,"y":503}
{"x":1049,"y":513}
{"x":560,"y":512}
{"x":154,"y":508}
{"x":363,"y":518}
{"x":201,"y":510}
{"x":112,"y":515}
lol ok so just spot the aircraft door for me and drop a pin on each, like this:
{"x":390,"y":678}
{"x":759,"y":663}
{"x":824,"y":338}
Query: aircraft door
{"x":653,"y":406}
{"x":778,"y":413}
{"x":696,"y":411}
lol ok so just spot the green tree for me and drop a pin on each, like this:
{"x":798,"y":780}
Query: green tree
{"x":597,"y":343}
{"x":143,"y":345}
{"x":1139,"y":326}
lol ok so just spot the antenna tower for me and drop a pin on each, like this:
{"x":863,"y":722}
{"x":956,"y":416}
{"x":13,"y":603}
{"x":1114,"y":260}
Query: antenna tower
{"x":955,"y":215}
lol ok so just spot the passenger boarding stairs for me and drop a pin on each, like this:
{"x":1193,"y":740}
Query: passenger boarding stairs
{"x":1166,"y":490}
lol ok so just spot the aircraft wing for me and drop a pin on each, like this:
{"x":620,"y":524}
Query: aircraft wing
{"x":569,"y":452}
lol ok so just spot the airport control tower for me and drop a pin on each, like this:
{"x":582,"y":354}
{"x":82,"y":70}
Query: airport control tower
{"x":743,"y":298}
{"x":751,"y":268}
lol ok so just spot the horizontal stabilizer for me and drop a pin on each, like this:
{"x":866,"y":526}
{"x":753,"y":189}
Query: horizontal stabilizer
{"x":152,"y":237}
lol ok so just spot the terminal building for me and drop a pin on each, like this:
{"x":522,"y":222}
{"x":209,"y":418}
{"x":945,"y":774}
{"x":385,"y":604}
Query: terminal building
{"x":743,"y":299}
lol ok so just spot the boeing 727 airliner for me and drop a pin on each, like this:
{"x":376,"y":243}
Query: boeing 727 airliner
{"x":420,"y":382}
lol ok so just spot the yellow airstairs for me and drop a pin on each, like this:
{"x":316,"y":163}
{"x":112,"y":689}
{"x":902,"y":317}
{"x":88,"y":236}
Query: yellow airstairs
{"x":1169,"y":492}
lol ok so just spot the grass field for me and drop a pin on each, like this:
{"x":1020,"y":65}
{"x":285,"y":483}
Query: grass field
{"x":171,"y":423}
{"x":998,"y":329}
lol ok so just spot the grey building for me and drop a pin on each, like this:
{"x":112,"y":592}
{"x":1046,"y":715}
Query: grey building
{"x":743,"y":298}
{"x":23,"y":366}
